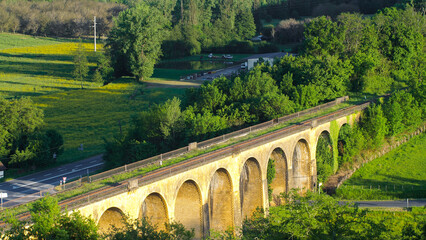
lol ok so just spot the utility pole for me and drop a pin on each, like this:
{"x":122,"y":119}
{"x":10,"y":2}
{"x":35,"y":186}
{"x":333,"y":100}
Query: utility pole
{"x":94,"y":26}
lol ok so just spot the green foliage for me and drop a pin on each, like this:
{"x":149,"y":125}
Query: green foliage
{"x":47,"y":222}
{"x":81,"y":69}
{"x":23,"y":143}
{"x":323,"y":37}
{"x":314,"y":79}
{"x":322,"y":217}
{"x":104,"y":72}
{"x":399,"y":174}
{"x":324,"y":158}
{"x":135,"y":41}
{"x":144,"y":230}
{"x":244,"y":25}
{"x":97,"y":77}
{"x":374,"y":124}
{"x":270,"y":175}
{"x":334,"y":135}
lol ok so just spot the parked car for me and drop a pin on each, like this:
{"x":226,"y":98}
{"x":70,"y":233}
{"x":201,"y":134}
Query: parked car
{"x":244,"y":65}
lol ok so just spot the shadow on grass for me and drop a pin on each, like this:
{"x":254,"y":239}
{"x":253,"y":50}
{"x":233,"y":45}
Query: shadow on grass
{"x":46,"y":57}
{"x":394,"y":186}
{"x":60,"y":70}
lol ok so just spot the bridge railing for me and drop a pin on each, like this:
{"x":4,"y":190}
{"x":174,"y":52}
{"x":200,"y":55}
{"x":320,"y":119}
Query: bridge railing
{"x":195,"y":162}
{"x":175,"y":153}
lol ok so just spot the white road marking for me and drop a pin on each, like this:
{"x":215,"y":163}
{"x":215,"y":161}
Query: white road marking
{"x":79,"y":165}
{"x":47,"y":174}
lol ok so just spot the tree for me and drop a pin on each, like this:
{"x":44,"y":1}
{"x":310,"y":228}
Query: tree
{"x":47,"y":222}
{"x":143,"y":230}
{"x":244,"y":25}
{"x":323,"y":37}
{"x":104,"y":72}
{"x":375,"y":125}
{"x":23,"y":142}
{"x":81,"y":68}
{"x":135,"y":41}
{"x":306,"y":217}
{"x":324,"y":156}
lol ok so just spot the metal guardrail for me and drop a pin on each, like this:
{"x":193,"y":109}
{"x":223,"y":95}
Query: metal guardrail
{"x":175,"y":153}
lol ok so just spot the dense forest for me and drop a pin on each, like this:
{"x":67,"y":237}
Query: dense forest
{"x":195,"y":25}
{"x":373,"y":55}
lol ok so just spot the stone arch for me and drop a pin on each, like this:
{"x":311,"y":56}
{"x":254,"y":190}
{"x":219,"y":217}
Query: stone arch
{"x":221,"y":211}
{"x":280,"y":182}
{"x":154,"y":209}
{"x":251,"y":194}
{"x":302,"y":165}
{"x":111,"y":217}
{"x":188,"y":207}
{"x":325,"y":163}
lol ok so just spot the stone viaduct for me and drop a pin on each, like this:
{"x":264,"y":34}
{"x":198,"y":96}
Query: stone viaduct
{"x":220,"y":192}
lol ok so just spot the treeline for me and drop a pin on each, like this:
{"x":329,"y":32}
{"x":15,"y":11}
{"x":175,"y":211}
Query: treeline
{"x":351,"y":54}
{"x":302,"y":217}
{"x":57,"y":18}
{"x":322,"y":217}
{"x":24,"y":142}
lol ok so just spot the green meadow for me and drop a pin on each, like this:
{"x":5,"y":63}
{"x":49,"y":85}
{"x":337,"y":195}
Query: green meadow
{"x":397,"y":175}
{"x":41,"y":68}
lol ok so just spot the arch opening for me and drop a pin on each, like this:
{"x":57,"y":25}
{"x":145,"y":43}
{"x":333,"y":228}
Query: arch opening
{"x":154,"y":210}
{"x":277,"y":176}
{"x":302,"y":166}
{"x":220,"y":201}
{"x":250,"y":188}
{"x":188,"y":208}
{"x":324,"y":157}
{"x":111,"y":217}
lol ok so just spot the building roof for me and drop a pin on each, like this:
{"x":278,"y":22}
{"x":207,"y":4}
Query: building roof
{"x":270,"y":55}
{"x":2,"y":167}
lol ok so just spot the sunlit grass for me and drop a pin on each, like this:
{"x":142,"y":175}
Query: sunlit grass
{"x":9,"y":40}
{"x":401,"y":173}
{"x":41,"y":68}
{"x":89,"y":115}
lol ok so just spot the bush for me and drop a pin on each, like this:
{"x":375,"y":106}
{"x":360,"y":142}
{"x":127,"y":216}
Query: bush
{"x":290,"y":30}
{"x":268,"y":31}
{"x":265,"y":47}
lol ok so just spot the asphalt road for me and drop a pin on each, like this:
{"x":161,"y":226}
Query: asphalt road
{"x":391,"y":204}
{"x":28,"y":188}
{"x":236,"y":68}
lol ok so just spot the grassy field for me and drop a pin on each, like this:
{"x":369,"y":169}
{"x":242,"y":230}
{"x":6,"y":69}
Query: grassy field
{"x":399,"y":174}
{"x":41,"y":69}
{"x":38,"y":66}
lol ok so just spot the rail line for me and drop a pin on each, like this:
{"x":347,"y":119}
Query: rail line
{"x":95,"y":195}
